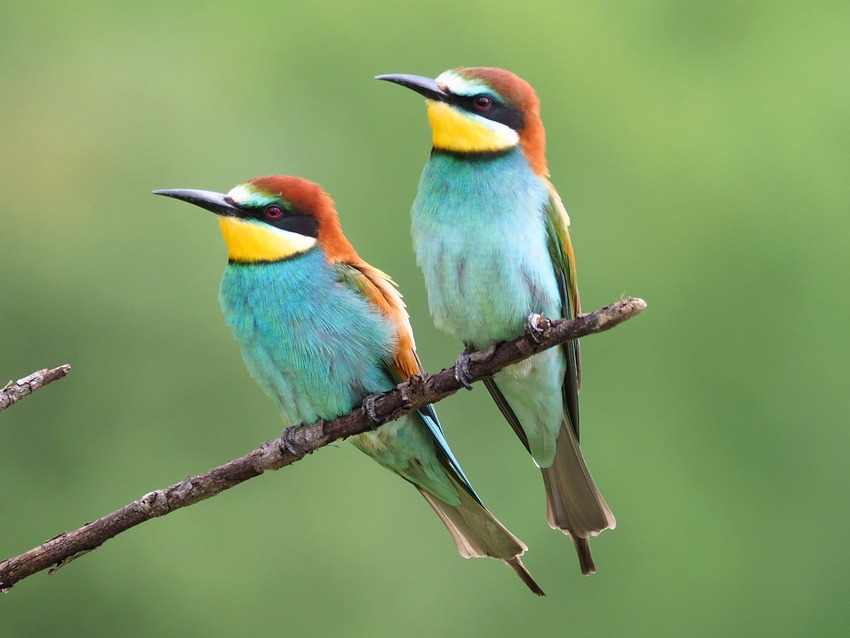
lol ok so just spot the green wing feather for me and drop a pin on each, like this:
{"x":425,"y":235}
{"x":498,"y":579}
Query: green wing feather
{"x":561,"y":251}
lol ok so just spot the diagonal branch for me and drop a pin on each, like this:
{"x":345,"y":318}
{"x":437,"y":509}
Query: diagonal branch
{"x":297,"y":441}
{"x":14,"y":391}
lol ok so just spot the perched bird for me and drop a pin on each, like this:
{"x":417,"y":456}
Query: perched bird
{"x":491,"y":236}
{"x":320,"y":330}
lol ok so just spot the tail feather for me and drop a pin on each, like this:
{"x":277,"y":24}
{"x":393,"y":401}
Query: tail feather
{"x":585,"y":560}
{"x":516,"y":564}
{"x":477,"y":533}
{"x":574,"y":504}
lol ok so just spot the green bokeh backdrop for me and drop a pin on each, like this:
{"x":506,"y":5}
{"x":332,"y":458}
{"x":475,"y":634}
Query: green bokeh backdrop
{"x":702,"y":150}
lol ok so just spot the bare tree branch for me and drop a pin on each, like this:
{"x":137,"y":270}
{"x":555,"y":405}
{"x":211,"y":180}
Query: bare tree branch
{"x":14,"y":391}
{"x":297,"y":441}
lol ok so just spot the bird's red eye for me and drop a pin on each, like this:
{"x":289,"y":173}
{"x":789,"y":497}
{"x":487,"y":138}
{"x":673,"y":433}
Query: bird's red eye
{"x":481,"y":102}
{"x":273,"y":212}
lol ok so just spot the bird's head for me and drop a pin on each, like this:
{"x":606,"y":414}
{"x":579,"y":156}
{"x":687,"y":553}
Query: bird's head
{"x":481,"y":109}
{"x":272,"y":218}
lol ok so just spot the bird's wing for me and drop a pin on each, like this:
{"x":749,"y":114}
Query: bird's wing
{"x":379,"y":289}
{"x":561,"y":250}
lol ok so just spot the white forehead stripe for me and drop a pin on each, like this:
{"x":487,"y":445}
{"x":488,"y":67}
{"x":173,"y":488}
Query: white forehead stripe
{"x":240,"y":194}
{"x":458,"y":85}
{"x":247,"y":194}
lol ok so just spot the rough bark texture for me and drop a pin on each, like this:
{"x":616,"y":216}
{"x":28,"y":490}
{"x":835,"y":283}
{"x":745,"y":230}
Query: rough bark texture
{"x":14,"y":391}
{"x":298,"y":441}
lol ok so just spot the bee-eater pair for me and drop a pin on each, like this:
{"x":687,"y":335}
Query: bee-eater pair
{"x":320,"y":329}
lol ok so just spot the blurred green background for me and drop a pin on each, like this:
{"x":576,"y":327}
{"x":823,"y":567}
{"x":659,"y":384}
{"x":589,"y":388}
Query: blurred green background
{"x":703,"y":151}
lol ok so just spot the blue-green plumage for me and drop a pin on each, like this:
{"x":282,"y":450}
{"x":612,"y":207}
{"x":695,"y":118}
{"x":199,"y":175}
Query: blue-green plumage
{"x":478,"y":231}
{"x":476,"y":223}
{"x":482,"y":238}
{"x":318,"y":348}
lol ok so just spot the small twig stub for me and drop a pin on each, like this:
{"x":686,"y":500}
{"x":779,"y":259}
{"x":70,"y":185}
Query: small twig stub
{"x":14,"y":391}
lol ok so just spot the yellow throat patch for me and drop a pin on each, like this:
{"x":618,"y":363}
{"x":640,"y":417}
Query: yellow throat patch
{"x":249,"y":241}
{"x":453,"y":130}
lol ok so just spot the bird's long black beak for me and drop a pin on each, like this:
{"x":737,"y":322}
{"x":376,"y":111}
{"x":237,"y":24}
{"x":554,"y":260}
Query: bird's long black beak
{"x":214,"y":202}
{"x":426,"y":86}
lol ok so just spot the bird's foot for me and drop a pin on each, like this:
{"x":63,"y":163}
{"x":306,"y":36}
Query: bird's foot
{"x":535,"y":325}
{"x":462,"y":367}
{"x":289,"y":442}
{"x":369,"y":408}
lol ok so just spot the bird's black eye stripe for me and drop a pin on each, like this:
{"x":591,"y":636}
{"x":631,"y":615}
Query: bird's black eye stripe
{"x":280,"y":217}
{"x":491,"y":108}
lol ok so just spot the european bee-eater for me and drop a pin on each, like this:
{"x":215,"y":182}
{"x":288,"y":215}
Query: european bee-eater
{"x":491,"y":236}
{"x":320,"y":330}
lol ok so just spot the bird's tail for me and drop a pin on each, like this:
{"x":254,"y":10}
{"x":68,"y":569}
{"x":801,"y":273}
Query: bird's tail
{"x":477,"y":533}
{"x":574,"y":504}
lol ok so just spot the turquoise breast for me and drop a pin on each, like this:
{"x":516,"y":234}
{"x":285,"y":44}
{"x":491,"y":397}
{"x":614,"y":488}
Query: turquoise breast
{"x":313,"y":344}
{"x":479,"y":235}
